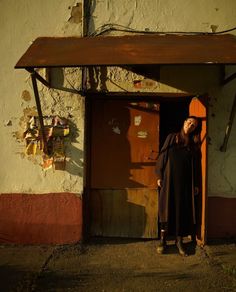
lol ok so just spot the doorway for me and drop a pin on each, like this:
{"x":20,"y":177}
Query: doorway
{"x":125,"y":137}
{"x":173,"y":112}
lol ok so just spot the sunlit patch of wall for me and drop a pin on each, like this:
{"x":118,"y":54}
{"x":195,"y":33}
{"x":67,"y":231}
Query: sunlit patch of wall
{"x":23,"y":173}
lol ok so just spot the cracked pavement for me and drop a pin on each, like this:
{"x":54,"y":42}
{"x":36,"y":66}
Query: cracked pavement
{"x":118,"y":265}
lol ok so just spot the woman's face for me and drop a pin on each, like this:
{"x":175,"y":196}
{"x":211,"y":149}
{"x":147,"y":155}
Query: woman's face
{"x":190,"y":125}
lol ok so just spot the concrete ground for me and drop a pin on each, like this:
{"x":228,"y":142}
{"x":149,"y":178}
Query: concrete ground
{"x":118,"y":265}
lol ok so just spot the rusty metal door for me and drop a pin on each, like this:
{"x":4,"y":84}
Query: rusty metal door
{"x":124,"y":145}
{"x":198,"y":107}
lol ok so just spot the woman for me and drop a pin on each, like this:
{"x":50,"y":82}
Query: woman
{"x":178,"y":172}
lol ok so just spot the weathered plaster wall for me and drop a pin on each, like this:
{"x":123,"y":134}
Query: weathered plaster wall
{"x":49,"y":217}
{"x":169,"y":15}
{"x":178,"y":16}
{"x":20,"y":23}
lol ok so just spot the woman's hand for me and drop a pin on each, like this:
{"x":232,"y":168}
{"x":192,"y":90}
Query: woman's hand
{"x":159,"y":183}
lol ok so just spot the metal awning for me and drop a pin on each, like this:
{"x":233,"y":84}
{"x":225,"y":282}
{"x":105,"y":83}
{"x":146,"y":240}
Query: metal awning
{"x":129,"y":50}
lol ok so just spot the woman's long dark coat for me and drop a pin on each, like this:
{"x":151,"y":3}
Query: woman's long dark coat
{"x":163,"y":171}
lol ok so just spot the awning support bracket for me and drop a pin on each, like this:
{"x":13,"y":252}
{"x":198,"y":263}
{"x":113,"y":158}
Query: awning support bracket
{"x":39,"y":77}
{"x":49,"y":85}
{"x":38,"y":104}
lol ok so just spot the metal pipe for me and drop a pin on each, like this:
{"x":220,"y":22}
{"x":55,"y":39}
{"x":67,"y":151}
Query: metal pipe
{"x":38,"y":104}
{"x":85,"y":23}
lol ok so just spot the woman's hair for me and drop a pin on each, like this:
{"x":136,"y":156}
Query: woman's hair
{"x":194,"y":138}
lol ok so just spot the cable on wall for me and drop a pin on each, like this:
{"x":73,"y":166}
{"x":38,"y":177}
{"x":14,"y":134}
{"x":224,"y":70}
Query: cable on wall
{"x":117,"y":27}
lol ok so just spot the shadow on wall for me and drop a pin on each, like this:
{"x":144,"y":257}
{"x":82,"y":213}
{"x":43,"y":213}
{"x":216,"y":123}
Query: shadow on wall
{"x":61,"y":133}
{"x":74,"y":160}
{"x":74,"y":163}
{"x":187,"y":78}
{"x":192,"y":79}
{"x":57,"y":78}
{"x":195,"y":79}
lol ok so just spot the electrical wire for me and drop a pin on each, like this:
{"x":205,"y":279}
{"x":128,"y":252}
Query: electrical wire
{"x":117,"y":27}
{"x":224,"y":31}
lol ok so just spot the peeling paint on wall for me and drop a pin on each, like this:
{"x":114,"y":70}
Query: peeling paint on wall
{"x":26,"y":95}
{"x":27,"y":112}
{"x":24,"y":172}
{"x":151,"y":15}
{"x":214,"y":27}
{"x":76,"y":13}
{"x":56,"y":129}
{"x":145,"y":84}
{"x":7,"y":123}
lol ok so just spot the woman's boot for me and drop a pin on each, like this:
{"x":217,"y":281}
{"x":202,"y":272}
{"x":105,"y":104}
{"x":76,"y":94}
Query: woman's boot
{"x":161,"y":247}
{"x":179,"y":244}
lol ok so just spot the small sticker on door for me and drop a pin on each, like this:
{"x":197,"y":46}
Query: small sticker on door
{"x":137,"y":120}
{"x":142,"y":134}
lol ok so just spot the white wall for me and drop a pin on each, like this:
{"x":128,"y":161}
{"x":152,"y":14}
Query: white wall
{"x":24,"y":20}
{"x":168,"y":15}
{"x":20,"y":23}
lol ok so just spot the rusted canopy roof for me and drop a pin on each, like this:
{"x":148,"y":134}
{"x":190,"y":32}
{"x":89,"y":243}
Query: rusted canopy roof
{"x":129,"y":50}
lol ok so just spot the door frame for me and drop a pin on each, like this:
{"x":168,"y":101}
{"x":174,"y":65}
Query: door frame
{"x":135,"y":96}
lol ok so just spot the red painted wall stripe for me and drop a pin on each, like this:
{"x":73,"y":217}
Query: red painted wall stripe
{"x":54,"y":218}
{"x":221,"y":217}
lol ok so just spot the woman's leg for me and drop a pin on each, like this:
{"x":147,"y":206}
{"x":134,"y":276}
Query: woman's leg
{"x":161,"y":248}
{"x":179,"y":244}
